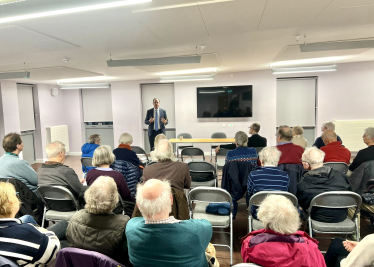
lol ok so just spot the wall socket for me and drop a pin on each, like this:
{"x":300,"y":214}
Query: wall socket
{"x":231,"y":125}
{"x":223,"y":125}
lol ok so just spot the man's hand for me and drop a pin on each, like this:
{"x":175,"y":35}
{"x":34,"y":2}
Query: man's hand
{"x":151,"y":120}
{"x":349,"y":245}
{"x":163,"y":120}
{"x":82,"y":181}
{"x":217,"y":149}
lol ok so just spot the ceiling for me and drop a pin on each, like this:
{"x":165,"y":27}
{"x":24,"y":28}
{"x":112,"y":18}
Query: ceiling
{"x":238,"y":35}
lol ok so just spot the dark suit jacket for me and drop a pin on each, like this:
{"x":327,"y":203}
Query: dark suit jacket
{"x":253,"y":141}
{"x":162,"y":114}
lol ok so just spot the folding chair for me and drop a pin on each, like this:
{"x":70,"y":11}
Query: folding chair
{"x":124,"y":207}
{"x":151,"y":162}
{"x":59,"y":203}
{"x":339,"y":166}
{"x":140,"y":151}
{"x":213,"y":136}
{"x":202,"y":174}
{"x":220,"y":162}
{"x":86,"y":162}
{"x":192,"y":152}
{"x":337,"y":200}
{"x":246,"y":265}
{"x":205,"y":195}
{"x":258,"y":149}
{"x":256,"y":200}
{"x":185,"y":135}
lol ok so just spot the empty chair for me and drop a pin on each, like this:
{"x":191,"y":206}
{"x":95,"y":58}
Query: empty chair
{"x":140,"y":151}
{"x":202,"y":174}
{"x":184,"y":135}
{"x":202,"y":196}
{"x":59,"y":203}
{"x":339,"y":166}
{"x":336,"y":200}
{"x":220,"y":162}
{"x":192,"y":152}
{"x":256,"y":199}
{"x":86,"y":162}
{"x":215,"y":136}
{"x":258,"y":149}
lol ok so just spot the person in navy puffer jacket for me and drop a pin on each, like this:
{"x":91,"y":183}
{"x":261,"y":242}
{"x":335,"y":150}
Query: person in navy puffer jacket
{"x":88,"y":148}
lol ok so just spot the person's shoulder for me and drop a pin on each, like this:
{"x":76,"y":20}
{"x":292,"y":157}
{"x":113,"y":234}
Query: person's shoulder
{"x":194,"y":224}
{"x":134,"y":223}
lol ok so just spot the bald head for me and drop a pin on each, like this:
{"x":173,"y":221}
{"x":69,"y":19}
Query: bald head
{"x":329,"y":136}
{"x":154,"y":199}
{"x":164,"y":150}
{"x":284,"y":134}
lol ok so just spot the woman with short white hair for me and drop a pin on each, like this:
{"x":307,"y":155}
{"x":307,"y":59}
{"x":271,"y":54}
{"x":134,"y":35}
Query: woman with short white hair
{"x":242,"y":152}
{"x":96,"y":227}
{"x":365,"y":154}
{"x":102,"y":159}
{"x":280,"y":243}
{"x":124,"y":151}
{"x":298,"y":139}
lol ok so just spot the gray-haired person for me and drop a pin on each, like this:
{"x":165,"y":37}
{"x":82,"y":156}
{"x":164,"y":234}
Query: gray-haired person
{"x":325,"y":126}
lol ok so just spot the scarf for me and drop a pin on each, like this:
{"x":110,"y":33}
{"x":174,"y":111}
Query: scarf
{"x":124,"y":146}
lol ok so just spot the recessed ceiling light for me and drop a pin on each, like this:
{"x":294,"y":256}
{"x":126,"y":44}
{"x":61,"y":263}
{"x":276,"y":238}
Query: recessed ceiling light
{"x":176,"y":72}
{"x":187,"y":78}
{"x":307,"y":61}
{"x":7,"y":2}
{"x":73,"y":10}
{"x":85,"y":79}
{"x":304,"y":69}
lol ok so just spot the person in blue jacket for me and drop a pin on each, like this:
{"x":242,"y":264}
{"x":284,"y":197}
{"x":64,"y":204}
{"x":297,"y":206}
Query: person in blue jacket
{"x":88,"y":148}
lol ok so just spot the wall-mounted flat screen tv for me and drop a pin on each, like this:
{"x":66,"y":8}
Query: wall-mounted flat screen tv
{"x":224,"y":101}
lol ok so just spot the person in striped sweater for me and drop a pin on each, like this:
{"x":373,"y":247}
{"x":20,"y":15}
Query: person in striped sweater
{"x":25,"y":243}
{"x":269,"y":177}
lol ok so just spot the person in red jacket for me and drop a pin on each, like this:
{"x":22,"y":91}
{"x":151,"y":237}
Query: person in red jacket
{"x":280,"y":244}
{"x":334,"y":151}
{"x":291,"y":153}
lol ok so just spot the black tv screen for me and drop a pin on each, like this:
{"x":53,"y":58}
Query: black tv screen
{"x":224,"y":101}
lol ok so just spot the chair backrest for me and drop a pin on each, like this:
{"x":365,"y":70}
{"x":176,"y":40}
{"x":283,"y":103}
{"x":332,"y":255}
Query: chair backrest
{"x":222,"y":152}
{"x":202,"y":171}
{"x":185,"y":135}
{"x":192,"y":151}
{"x":258,"y":149}
{"x":336,"y":199}
{"x":58,"y":198}
{"x":86,"y":162}
{"x":246,"y":265}
{"x":4,"y":261}
{"x":339,"y":166}
{"x":218,"y":135}
{"x":209,"y":194}
{"x":151,"y":162}
{"x":139,"y":151}
{"x":257,"y":198}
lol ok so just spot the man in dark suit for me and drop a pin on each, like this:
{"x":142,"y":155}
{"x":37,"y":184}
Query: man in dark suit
{"x":254,"y":141}
{"x":156,"y":120}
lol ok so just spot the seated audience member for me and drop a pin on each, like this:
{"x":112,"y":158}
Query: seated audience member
{"x":153,"y":152}
{"x":317,"y":180}
{"x":269,"y":177}
{"x":298,"y":139}
{"x":334,"y":151}
{"x":345,"y":253}
{"x":102,"y":159}
{"x":124,"y":151}
{"x":280,"y":243}
{"x":158,"y":239}
{"x":96,"y":227}
{"x":291,"y":154}
{"x":176,"y":172}
{"x":326,"y":126}
{"x":88,"y":149}
{"x":365,"y":154}
{"x":254,"y":141}
{"x":11,"y":166}
{"x":242,"y":152}
{"x":53,"y":172}
{"x":25,"y":243}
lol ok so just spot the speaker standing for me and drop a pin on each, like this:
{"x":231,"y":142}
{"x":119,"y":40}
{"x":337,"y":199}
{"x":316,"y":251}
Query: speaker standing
{"x":156,"y":120}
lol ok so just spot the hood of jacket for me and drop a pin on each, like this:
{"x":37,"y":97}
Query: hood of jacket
{"x":88,"y":147}
{"x":322,"y":175}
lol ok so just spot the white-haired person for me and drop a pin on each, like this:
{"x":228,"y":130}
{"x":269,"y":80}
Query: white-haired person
{"x":102,"y":159}
{"x":88,"y":148}
{"x":242,"y":152}
{"x":124,"y":151}
{"x":365,"y":154}
{"x":269,"y":177}
{"x":298,"y":139}
{"x":317,"y":180}
{"x":25,"y":243}
{"x":158,"y":239}
{"x":280,"y":243}
{"x":96,"y":227}
{"x":158,"y":138}
{"x":325,"y":126}
{"x":176,"y":172}
{"x":54,"y":172}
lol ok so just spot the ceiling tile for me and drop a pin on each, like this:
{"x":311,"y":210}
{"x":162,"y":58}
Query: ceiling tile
{"x":291,"y":13}
{"x":349,"y":3}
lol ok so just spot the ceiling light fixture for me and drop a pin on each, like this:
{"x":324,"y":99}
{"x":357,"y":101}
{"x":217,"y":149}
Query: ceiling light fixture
{"x":193,"y":71}
{"x":73,"y":10}
{"x":85,"y":86}
{"x":307,"y":61}
{"x":340,"y":45}
{"x":187,"y":78}
{"x":15,"y":75}
{"x":304,"y":69}
{"x":7,"y":2}
{"x":154,"y":61}
{"x":85,"y":79}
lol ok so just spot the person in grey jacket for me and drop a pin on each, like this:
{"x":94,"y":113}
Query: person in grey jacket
{"x":53,"y":172}
{"x":11,"y":166}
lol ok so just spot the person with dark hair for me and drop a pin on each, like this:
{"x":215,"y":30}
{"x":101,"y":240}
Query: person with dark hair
{"x":156,"y":119}
{"x":11,"y":166}
{"x":291,"y":153}
{"x":88,"y":149}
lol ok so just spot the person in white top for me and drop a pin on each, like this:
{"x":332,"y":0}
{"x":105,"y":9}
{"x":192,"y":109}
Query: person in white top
{"x":298,"y":139}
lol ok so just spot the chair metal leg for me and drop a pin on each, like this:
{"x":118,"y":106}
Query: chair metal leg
{"x":310,"y":226}
{"x":249,"y":224}
{"x":231,"y":238}
{"x":45,"y":210}
{"x":357,"y":230}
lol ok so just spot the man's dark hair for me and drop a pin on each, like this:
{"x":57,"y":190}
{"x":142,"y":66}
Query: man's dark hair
{"x":10,"y":142}
{"x":156,"y":99}
{"x":285,"y":133}
{"x":255,"y":127}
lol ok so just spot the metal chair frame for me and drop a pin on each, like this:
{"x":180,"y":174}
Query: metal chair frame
{"x":51,"y":195}
{"x":84,"y":162}
{"x":213,"y":195}
{"x":221,"y":152}
{"x":330,"y":200}
{"x":334,"y":166}
{"x":211,"y":166}
{"x":140,"y":151}
{"x":257,"y":199}
{"x":185,"y":135}
{"x":215,"y":135}
{"x":192,"y":151}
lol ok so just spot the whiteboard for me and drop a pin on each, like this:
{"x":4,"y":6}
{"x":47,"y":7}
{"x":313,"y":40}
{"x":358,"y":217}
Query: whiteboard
{"x":164,"y":92}
{"x":97,"y":105}
{"x":296,"y":102}
{"x":26,"y":107}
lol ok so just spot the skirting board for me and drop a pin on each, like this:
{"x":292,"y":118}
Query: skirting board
{"x":74,"y":154}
